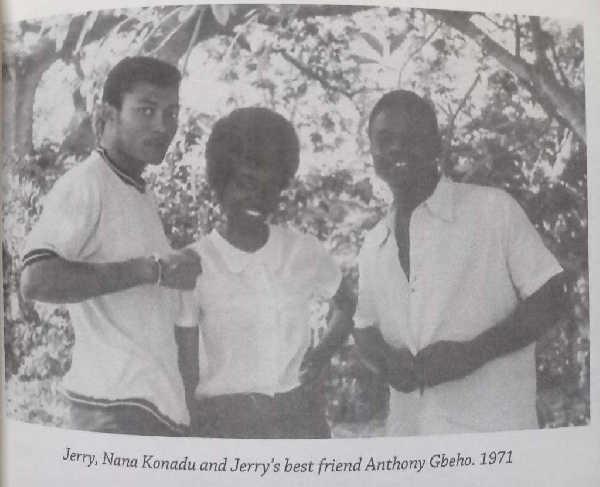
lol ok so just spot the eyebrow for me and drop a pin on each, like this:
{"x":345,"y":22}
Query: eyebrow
{"x":147,"y":101}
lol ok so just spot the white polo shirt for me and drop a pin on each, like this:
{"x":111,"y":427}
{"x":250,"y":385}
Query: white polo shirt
{"x":253,"y":310}
{"x":125,"y":351}
{"x":474,"y":256}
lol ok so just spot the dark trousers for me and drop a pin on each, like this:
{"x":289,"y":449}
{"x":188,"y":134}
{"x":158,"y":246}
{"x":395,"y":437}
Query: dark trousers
{"x":298,"y":413}
{"x":128,"y":420}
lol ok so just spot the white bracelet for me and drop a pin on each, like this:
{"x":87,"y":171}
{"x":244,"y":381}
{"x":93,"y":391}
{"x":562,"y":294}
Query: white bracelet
{"x":159,"y":263}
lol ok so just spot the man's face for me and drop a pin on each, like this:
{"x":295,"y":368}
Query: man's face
{"x":402,"y":151}
{"x":252,"y":194}
{"x":146,"y":123}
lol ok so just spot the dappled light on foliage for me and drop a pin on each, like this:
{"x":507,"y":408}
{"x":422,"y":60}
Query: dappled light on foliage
{"x":508,"y":91}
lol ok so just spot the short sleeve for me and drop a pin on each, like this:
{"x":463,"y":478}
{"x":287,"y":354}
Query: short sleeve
{"x":68,"y":221}
{"x":328,"y":275}
{"x":530,"y":263}
{"x":366,"y":311}
{"x":190,"y":310}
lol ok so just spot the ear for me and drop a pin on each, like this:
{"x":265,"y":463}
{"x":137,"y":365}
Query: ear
{"x":102,"y":116}
{"x":107,"y":113}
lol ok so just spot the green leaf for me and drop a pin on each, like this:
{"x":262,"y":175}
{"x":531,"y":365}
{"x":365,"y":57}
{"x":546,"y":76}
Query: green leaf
{"x":373,"y":42}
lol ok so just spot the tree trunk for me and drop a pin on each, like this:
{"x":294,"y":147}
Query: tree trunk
{"x":542,"y":84}
{"x":19,"y":88}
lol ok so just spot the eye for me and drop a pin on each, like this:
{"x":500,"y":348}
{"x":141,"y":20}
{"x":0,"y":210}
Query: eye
{"x":172,"y":114}
{"x":147,"y":111}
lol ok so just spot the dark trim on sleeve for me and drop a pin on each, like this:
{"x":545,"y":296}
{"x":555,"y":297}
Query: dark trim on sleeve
{"x":37,"y":255}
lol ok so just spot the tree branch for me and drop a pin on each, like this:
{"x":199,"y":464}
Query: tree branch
{"x":561,"y":73}
{"x":567,"y":101}
{"x":194,"y":38}
{"x":415,"y":52}
{"x":153,"y":35}
{"x":452,"y":122}
{"x":493,"y":22}
{"x":517,"y":37}
{"x":540,"y":42}
{"x":309,"y":73}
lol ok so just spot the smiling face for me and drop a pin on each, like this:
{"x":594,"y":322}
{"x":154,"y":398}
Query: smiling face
{"x":404,"y":152}
{"x":142,"y":130}
{"x":252,"y":193}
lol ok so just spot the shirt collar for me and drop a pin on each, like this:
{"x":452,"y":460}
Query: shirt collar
{"x":237,"y":260}
{"x":440,"y":204}
{"x":138,"y":183}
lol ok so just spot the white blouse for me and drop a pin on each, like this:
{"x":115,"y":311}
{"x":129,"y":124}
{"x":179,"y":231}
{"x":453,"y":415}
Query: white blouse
{"x":253,"y":310}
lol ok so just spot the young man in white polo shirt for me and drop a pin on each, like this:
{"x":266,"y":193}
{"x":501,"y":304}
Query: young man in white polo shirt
{"x":99,"y":246}
{"x":455,"y":287}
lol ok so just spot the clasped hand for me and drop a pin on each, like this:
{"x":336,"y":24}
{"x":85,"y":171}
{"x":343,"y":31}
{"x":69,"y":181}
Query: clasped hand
{"x":437,"y":363}
{"x":180,"y":269}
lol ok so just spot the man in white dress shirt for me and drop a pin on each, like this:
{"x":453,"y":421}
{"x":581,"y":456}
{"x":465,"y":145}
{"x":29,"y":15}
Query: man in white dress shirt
{"x":455,"y":287}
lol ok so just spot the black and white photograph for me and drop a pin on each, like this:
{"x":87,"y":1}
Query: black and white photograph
{"x":295,"y":222}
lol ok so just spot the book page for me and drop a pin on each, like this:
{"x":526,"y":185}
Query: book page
{"x":511,"y":86}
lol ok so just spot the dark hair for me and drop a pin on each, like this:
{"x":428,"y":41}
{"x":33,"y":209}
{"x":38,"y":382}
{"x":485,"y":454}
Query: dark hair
{"x":416,"y":107}
{"x":238,"y":139}
{"x":132,"y":70}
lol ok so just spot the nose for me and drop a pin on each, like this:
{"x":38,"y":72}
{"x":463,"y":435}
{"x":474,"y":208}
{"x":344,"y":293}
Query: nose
{"x":162,"y":123}
{"x":394,"y":148}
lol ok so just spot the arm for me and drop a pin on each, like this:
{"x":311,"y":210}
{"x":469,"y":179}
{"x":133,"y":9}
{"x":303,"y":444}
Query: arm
{"x":446,"y":361}
{"x":187,"y":354}
{"x":396,"y":366}
{"x":339,"y":327}
{"x":57,"y":280}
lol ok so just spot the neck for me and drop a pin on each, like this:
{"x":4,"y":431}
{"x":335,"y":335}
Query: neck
{"x":408,"y":199}
{"x":132,"y":167}
{"x":248,"y":236}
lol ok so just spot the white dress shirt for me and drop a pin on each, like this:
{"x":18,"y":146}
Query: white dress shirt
{"x":474,"y":256}
{"x":253,"y":310}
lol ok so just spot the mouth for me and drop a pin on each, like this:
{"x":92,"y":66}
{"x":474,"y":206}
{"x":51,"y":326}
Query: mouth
{"x":254,"y":213}
{"x":157,"y":145}
{"x":397,"y":168}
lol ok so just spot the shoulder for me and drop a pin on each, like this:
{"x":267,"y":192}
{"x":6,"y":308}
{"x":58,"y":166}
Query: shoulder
{"x":483,"y":200}
{"x":296,"y":249}
{"x":85,"y":175}
{"x":204,"y":246}
{"x":80,"y":187}
{"x":290,"y":238}
{"x":376,"y":236}
{"x":474,"y":193}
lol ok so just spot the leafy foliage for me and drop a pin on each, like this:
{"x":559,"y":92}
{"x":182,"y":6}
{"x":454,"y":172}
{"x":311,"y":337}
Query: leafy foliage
{"x":323,"y":70}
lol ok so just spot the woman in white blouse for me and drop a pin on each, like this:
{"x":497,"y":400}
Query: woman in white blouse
{"x":251,"y":302}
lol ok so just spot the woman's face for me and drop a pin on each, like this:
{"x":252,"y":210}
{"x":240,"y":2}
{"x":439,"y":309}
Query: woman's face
{"x":252,"y":194}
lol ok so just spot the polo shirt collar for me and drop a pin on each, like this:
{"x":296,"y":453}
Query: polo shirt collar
{"x":440,"y":204}
{"x":237,"y":260}
{"x":138,"y":183}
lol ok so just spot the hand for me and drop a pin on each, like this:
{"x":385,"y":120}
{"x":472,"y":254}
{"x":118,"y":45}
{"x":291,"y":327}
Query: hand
{"x":446,"y":361}
{"x":401,"y":371}
{"x":180,"y":269}
{"x":314,"y":364}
